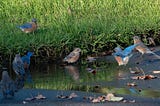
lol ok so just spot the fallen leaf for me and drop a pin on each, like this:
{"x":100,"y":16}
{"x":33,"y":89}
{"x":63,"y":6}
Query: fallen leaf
{"x":111,"y":97}
{"x":95,"y":100}
{"x":73,"y":95}
{"x":134,"y":72}
{"x":156,"y":72}
{"x":131,"y":84}
{"x":144,"y":77}
{"x":40,"y":96}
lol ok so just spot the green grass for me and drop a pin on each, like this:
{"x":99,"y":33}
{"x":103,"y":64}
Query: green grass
{"x":92,"y":25}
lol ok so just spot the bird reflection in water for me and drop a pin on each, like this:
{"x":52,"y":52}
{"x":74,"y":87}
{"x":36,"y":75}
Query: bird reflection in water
{"x":73,"y":71}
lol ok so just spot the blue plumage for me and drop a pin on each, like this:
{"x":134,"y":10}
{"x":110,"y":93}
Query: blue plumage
{"x":126,"y":52}
{"x":27,"y":25}
{"x":7,"y":85}
{"x":26,"y":59}
{"x":122,"y":56}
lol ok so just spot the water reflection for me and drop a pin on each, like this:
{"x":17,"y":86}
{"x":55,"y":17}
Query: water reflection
{"x":73,"y":71}
{"x":108,"y":78}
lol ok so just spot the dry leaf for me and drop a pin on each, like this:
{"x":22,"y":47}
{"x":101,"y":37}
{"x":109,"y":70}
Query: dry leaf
{"x":156,"y":72}
{"x":144,"y":77}
{"x":111,"y":97}
{"x":73,"y":95}
{"x":40,"y":96}
{"x":95,"y":100}
{"x":134,"y":72}
{"x":131,"y":84}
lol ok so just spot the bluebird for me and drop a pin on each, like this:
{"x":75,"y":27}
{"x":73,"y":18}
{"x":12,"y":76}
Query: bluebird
{"x":18,"y":65}
{"x":122,"y":56}
{"x":26,"y":60}
{"x":7,"y":85}
{"x":73,"y":56}
{"x":143,"y":49}
{"x":29,"y":27}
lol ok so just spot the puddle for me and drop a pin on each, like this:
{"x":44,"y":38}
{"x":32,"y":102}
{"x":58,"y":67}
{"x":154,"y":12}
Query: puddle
{"x":105,"y":78}
{"x":100,"y":76}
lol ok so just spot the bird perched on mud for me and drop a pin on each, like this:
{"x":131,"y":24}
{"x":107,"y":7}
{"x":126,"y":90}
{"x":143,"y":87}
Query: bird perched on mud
{"x":29,"y":27}
{"x":73,"y":56}
{"x":143,"y":48}
{"x":122,"y":56}
{"x":7,"y":85}
{"x":18,"y":65}
{"x":26,"y":60}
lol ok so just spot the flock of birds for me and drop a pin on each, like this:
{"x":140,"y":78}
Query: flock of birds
{"x":123,"y":56}
{"x":21,"y":64}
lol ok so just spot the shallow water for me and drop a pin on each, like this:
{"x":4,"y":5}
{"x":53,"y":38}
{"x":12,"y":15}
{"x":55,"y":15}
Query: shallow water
{"x":107,"y":78}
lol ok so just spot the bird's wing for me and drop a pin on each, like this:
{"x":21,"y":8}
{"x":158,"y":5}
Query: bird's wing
{"x":27,"y":25}
{"x":18,"y":68}
{"x":129,"y":49}
{"x":72,"y":54}
{"x":26,"y":59}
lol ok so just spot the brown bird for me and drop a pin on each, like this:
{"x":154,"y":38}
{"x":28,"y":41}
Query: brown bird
{"x":143,"y":48}
{"x":151,"y":41}
{"x":73,"y":56}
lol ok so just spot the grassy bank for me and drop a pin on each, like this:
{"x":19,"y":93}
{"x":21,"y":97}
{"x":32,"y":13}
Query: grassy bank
{"x":92,"y":25}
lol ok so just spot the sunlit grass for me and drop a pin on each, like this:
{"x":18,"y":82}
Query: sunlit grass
{"x":92,"y":25}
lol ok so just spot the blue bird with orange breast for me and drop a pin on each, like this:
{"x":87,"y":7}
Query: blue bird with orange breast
{"x":18,"y":65}
{"x":26,"y":60}
{"x":29,"y":27}
{"x":122,"y":56}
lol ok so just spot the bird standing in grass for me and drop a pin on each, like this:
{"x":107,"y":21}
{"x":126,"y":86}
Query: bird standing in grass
{"x":143,"y":48}
{"x":29,"y":27}
{"x":73,"y":56}
{"x":122,"y":56}
{"x":18,"y":65}
{"x":7,"y":85}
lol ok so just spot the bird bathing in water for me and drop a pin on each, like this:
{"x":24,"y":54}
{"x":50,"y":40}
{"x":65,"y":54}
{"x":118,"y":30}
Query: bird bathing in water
{"x":123,"y":56}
